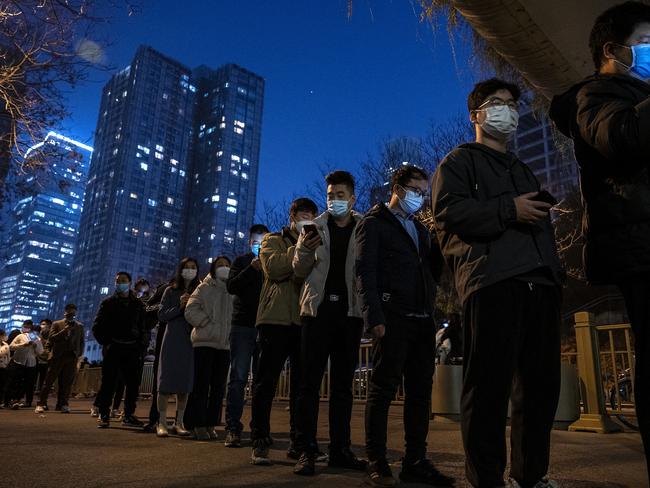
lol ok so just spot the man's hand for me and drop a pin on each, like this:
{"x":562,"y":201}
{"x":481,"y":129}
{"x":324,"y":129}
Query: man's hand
{"x":530,"y":211}
{"x":378,"y":331}
{"x":311,"y":241}
{"x":256,"y":265}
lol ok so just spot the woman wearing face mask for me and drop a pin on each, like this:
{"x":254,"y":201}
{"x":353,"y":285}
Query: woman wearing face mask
{"x":176,"y":368}
{"x":209,"y":311}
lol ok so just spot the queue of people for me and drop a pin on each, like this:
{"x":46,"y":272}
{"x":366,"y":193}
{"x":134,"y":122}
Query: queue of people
{"x":305,"y":295}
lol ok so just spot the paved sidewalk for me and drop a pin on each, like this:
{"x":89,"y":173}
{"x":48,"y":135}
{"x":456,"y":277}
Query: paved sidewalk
{"x":61,"y":451}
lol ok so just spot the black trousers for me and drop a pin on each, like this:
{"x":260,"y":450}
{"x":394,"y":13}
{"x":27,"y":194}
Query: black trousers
{"x":636,"y":292}
{"x":512,"y":351}
{"x":42,"y":373}
{"x":125,"y":360}
{"x":21,"y":382}
{"x":154,"y":415}
{"x":210,"y":378}
{"x":277,"y":343}
{"x":407,"y":349}
{"x":334,"y":335}
{"x":64,"y":369}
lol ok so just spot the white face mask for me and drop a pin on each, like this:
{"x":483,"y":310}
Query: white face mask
{"x":301,"y":224}
{"x":188,"y":274}
{"x":501,"y":121}
{"x":222,"y":272}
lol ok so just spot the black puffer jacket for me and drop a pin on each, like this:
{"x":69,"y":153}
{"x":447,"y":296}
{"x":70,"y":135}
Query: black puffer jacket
{"x":121,"y":320}
{"x":391,"y":274}
{"x":608,"y":118}
{"x":472,"y":197}
{"x":245,"y":282}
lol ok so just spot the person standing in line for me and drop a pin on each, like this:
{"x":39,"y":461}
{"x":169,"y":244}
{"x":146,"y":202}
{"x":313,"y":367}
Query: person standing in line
{"x":607,"y":115}
{"x":119,"y":328}
{"x":26,"y":348}
{"x":153,"y":307}
{"x":209,"y":311}
{"x":176,"y":367}
{"x":398,"y":263}
{"x":278,"y":322}
{"x":43,"y":331}
{"x":495,"y":232}
{"x":65,"y":346}
{"x":5,"y":358}
{"x":245,"y":283}
{"x":330,"y":311}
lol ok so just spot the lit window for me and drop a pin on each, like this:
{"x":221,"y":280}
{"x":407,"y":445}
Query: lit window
{"x":215,"y":198}
{"x":234,"y":157}
{"x":104,"y":290}
{"x":219,"y":168}
{"x":58,"y":201}
{"x":167,"y":224}
{"x":152,"y":203}
{"x":174,"y":170}
{"x":144,"y":149}
{"x":226,"y":85}
{"x":173,"y":162}
{"x":159,"y":155}
{"x":165,"y":96}
{"x":238,"y":130}
{"x":182,"y":173}
{"x":239,"y":123}
{"x":159,"y":148}
{"x":144,"y":166}
{"x":244,"y":176}
{"x":170,"y":200}
{"x":212,"y":236}
{"x":240,"y":235}
{"x":231,"y":210}
{"x":124,"y":93}
{"x":234,"y":172}
{"x":222,"y":125}
{"x":202,"y":127}
{"x":245,"y":161}
{"x":232,"y":201}
{"x":114,"y":151}
{"x":219,"y":154}
{"x":133,"y":195}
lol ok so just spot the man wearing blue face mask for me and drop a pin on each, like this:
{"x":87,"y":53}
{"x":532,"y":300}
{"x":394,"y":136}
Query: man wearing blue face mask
{"x":608,"y":117}
{"x":397,"y":266}
{"x":330,"y":311}
{"x":245,"y":283}
{"x":497,"y":238}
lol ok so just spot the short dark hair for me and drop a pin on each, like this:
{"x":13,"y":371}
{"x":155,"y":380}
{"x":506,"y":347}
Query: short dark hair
{"x":69,"y":306}
{"x":28,"y":322}
{"x":341,"y":178}
{"x":406,"y":173}
{"x":123,"y":273}
{"x":616,"y":24}
{"x":484,"y":89}
{"x":2,"y":332}
{"x":213,"y":264}
{"x":142,"y":281}
{"x":47,"y":321}
{"x":303,"y":205}
{"x":258,"y":229}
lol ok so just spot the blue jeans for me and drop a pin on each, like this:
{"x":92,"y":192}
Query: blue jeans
{"x":243,"y":349}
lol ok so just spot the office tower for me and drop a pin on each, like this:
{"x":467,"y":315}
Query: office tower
{"x":45,"y":226}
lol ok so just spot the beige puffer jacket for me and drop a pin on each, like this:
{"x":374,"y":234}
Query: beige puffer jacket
{"x":209,"y":311}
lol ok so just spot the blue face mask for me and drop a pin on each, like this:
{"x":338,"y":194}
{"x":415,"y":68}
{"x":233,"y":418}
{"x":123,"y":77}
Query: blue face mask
{"x":255,"y":248}
{"x":122,"y":287}
{"x":640,"y":67}
{"x":338,"y":208}
{"x":412,"y":202}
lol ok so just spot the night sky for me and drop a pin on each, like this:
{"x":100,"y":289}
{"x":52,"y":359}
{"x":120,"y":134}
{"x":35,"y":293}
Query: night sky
{"x":334,"y":86}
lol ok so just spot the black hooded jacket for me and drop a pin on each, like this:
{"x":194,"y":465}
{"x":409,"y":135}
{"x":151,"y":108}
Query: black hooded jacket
{"x":392,"y":273}
{"x":121,"y":320}
{"x":472,"y":197}
{"x":608,"y":118}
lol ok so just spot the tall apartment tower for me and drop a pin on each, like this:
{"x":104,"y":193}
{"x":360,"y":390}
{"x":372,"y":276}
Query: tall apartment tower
{"x":44,"y":233}
{"x":225,"y":157}
{"x":134,"y":207}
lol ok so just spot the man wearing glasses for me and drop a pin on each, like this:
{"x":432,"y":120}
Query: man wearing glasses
{"x":396,"y":266}
{"x":494,"y":230}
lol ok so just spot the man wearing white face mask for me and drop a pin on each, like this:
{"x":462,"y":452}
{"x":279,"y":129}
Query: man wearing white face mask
{"x":330,"y":310}
{"x":495,"y":232}
{"x":398,"y":263}
{"x":608,"y":117}
{"x":278,"y":323}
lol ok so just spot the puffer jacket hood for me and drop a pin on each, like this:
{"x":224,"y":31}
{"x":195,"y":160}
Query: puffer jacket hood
{"x":209,"y":312}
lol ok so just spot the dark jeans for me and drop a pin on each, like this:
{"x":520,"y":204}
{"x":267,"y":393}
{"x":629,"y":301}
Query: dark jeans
{"x":63,"y":368}
{"x":21,"y":382}
{"x":334,"y":335}
{"x":512,"y":351}
{"x":243,"y":349}
{"x":3,"y":383}
{"x":407,"y":349}
{"x":42,"y":373}
{"x":210,"y":377}
{"x":277,"y":343}
{"x":154,"y":415}
{"x":125,"y":360}
{"x":636,"y":292}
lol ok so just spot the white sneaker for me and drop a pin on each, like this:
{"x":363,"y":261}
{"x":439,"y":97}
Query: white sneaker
{"x":39,"y":409}
{"x":180,"y":430}
{"x":65,"y":409}
{"x":94,"y":412}
{"x":161,"y":431}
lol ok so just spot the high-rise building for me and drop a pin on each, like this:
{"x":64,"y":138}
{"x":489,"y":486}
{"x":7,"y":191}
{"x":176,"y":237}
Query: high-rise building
{"x":535,"y":144}
{"x":134,"y":208}
{"x":225,"y":154}
{"x":43,"y":236}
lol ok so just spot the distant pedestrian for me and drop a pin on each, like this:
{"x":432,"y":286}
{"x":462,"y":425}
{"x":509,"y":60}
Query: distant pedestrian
{"x":22,"y":369}
{"x":245,"y":283}
{"x":120,"y":329}
{"x":176,"y":368}
{"x":65,"y":345}
{"x":5,"y":357}
{"x":209,"y":311}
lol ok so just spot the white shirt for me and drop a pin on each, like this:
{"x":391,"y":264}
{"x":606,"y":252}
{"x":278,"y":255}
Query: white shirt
{"x":5,"y":354}
{"x":23,"y":354}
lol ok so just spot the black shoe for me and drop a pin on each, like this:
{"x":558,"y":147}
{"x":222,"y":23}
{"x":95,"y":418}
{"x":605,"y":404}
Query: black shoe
{"x":305,"y":465}
{"x":379,"y":474}
{"x":345,"y":458}
{"x":149,"y":428}
{"x":293,"y":453}
{"x":132,"y":421}
{"x":103,"y":422}
{"x":56,"y":408}
{"x":423,"y":471}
